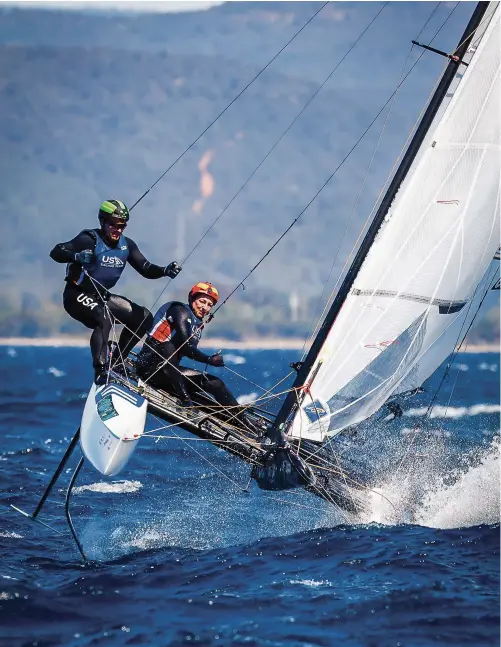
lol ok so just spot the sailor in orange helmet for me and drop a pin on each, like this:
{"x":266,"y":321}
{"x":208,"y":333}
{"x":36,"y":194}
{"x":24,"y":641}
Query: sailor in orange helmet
{"x":177,"y":329}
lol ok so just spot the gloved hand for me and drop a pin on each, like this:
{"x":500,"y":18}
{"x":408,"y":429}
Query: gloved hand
{"x":216,"y":360}
{"x":84,"y":257}
{"x":172,"y":270}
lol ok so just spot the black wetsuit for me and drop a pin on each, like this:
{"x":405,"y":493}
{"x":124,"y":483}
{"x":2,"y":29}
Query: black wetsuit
{"x":175,"y":334}
{"x":88,"y":299}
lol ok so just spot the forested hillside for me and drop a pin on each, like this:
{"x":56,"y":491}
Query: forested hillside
{"x":95,"y":107}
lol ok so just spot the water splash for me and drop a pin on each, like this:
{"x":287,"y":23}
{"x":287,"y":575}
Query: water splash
{"x":473,"y":500}
{"x":428,"y":497}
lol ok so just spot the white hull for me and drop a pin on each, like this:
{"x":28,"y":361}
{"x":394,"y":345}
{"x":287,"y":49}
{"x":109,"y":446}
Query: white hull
{"x":112,"y":423}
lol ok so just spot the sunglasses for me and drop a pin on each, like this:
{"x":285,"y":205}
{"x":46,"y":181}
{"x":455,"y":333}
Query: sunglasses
{"x":119,"y":225}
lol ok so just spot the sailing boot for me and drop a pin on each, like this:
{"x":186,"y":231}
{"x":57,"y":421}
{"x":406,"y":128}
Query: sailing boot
{"x":100,"y":375}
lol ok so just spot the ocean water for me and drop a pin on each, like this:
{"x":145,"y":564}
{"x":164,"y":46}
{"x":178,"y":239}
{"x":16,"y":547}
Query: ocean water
{"x":182,"y":554}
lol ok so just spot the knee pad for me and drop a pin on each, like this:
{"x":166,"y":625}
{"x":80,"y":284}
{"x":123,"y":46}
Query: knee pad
{"x":216,"y":383}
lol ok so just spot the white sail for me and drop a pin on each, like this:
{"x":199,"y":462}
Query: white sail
{"x":423,"y":276}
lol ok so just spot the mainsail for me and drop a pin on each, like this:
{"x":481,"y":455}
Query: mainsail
{"x":428,"y":258}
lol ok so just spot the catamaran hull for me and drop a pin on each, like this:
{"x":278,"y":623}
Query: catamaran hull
{"x":112,"y":423}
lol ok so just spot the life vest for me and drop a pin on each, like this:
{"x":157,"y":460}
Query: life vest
{"x":107,"y":264}
{"x":163,"y":328}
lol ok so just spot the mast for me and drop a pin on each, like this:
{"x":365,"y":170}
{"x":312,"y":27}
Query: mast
{"x":291,"y":401}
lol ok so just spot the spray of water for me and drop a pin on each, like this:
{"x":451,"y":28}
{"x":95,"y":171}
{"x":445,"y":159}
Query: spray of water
{"x":423,"y":494}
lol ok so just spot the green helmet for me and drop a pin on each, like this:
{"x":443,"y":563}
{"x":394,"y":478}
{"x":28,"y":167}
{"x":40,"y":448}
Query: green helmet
{"x":114,"y":208}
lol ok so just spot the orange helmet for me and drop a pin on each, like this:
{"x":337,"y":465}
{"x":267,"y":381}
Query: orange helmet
{"x":204,"y":288}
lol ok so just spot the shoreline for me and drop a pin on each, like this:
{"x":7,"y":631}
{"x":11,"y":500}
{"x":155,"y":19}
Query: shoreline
{"x":271,"y":343}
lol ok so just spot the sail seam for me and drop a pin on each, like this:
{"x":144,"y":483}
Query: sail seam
{"x":467,"y":146}
{"x":408,"y":297}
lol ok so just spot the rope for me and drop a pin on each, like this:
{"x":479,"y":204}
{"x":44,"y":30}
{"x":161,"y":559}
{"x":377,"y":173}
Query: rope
{"x":312,"y":333}
{"x":208,"y":461}
{"x":471,"y":34}
{"x":312,"y":97}
{"x":344,"y":159}
{"x":298,"y":115}
{"x":164,"y":361}
{"x":233,"y":482}
{"x":229,"y":105}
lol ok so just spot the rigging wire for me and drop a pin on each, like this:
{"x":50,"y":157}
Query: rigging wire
{"x":270,"y":151}
{"x":245,"y":489}
{"x":312,"y":97}
{"x":204,"y":458}
{"x":341,"y":163}
{"x":330,"y":467}
{"x":229,"y":105}
{"x":241,"y":408}
{"x":486,"y":19}
{"x":246,"y":379}
{"x":311,"y":329}
{"x":211,"y":124}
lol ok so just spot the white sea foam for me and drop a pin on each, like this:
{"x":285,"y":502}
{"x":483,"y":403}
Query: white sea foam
{"x":104,"y":540}
{"x":441,"y":411}
{"x":146,"y":539}
{"x":231,"y":358}
{"x":312,"y":583}
{"x":484,"y":366}
{"x":12,"y":535}
{"x":247,"y":398}
{"x":55,"y":372}
{"x":116,"y":487}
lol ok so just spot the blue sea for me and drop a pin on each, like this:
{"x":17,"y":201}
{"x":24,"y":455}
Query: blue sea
{"x":183,"y":553}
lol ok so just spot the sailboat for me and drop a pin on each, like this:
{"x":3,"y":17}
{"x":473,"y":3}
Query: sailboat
{"x":414,"y":287}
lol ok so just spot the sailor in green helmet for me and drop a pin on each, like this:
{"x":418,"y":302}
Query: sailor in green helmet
{"x":95,"y":261}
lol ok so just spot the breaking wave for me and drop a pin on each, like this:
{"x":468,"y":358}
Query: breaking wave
{"x":118,"y":487}
{"x":441,"y":411}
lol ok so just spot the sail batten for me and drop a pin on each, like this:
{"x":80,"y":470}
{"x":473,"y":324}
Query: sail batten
{"x":445,"y":304}
{"x":417,"y":284}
